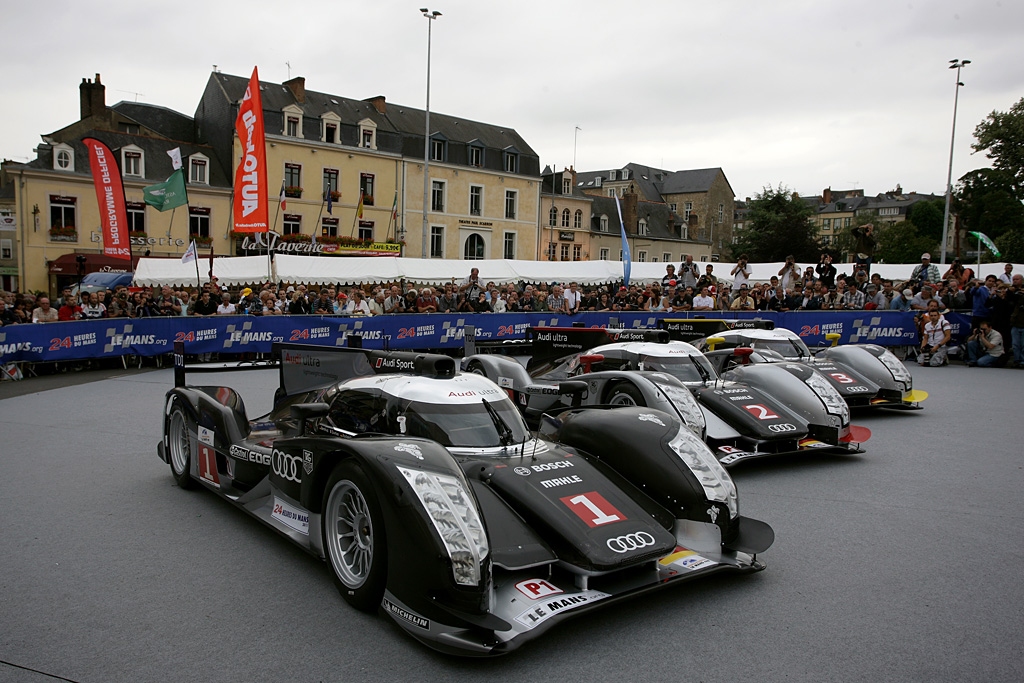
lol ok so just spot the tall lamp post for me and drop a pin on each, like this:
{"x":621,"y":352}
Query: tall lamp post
{"x":426,"y":137}
{"x":953,"y":64}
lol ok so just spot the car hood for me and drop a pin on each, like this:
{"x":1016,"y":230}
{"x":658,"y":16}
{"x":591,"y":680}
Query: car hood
{"x":752,"y":412}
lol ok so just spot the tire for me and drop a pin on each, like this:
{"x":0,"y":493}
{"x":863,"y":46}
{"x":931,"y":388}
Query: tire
{"x":180,"y":428}
{"x":625,"y":395}
{"x":476,"y":368}
{"x":354,"y":538}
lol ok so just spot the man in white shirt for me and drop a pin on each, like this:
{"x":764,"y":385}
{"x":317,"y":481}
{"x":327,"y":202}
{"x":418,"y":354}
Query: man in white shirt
{"x":790,"y":274}
{"x":741,"y":273}
{"x":703,"y":301}
{"x":1007,"y":275}
{"x":572,"y":298}
{"x":225,"y":307}
{"x":935,"y":345}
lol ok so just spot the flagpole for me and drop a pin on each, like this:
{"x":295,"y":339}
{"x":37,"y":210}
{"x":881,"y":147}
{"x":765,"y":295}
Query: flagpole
{"x":270,"y":270}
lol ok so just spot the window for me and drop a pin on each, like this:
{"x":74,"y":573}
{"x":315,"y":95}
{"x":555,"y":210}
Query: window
{"x":199,"y":221}
{"x":330,"y":132}
{"x":6,"y":249}
{"x":612,"y":175}
{"x":437,"y":196}
{"x":565,"y":251}
{"x":625,"y":174}
{"x":291,"y":128}
{"x":475,"y":246}
{"x":611,"y":191}
{"x":366,"y":187}
{"x":368,"y":134}
{"x":641,"y":256}
{"x":437,"y":150}
{"x":510,"y":204}
{"x":329,"y":227}
{"x":129,"y":128}
{"x":566,"y":186}
{"x":604,"y":223}
{"x":721,"y":213}
{"x":826,"y":223}
{"x":476,"y":155}
{"x":551,"y":251}
{"x":846,"y":222}
{"x":604,"y":255}
{"x":577,"y":219}
{"x":687,"y":209}
{"x":63,"y":158}
{"x":826,"y":240}
{"x":62,"y":212}
{"x":131,"y":161}
{"x":366,"y":230}
{"x":437,"y":241}
{"x":577,"y":252}
{"x":565,"y":218}
{"x":654,"y":259}
{"x":641,"y":228}
{"x":367,"y":138}
{"x":889,"y":211}
{"x":672,"y":207}
{"x":553,"y":217}
{"x":198,"y":166}
{"x":293,"y":176}
{"x":509,"y":247}
{"x":292,"y":224}
{"x":684,"y":231}
{"x":136,"y":212}
{"x":666,"y":257}
{"x":620,"y":254}
{"x":476,"y":200}
{"x":511,"y":162}
{"x":330,"y":182}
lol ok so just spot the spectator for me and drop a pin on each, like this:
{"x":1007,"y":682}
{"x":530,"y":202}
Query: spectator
{"x":826,"y":271}
{"x":268,"y":303}
{"x":670,"y":275}
{"x":480,"y":305}
{"x":901,"y":300}
{"x":873,"y":299}
{"x":604,"y":303}
{"x":470,"y":287}
{"x":682,"y":299}
{"x":572,"y":298}
{"x":93,"y":309}
{"x":980,"y":300}
{"x":741,"y":272}
{"x":64,"y":294}
{"x":926,"y":271}
{"x":861,"y":279}
{"x":357,"y":304}
{"x":957,"y":272}
{"x":167,"y":303}
{"x":426,"y":302}
{"x":323,"y":304}
{"x":704,"y":301}
{"x":808,"y":278}
{"x":921,"y":299}
{"x":44,"y":313}
{"x":410,"y":300}
{"x":376,"y":303}
{"x":527,"y":302}
{"x":589,"y":302}
{"x":1001,"y":307}
{"x":864,"y":245}
{"x":886,"y":296}
{"x":777,"y":300}
{"x":1017,"y":320}
{"x":688,"y":272}
{"x":1007,"y":276}
{"x":512,"y":304}
{"x":790,"y":273}
{"x":954,"y":297}
{"x":809,"y":301}
{"x":984,"y":346}
{"x":556,"y":301}
{"x":827,"y":297}
{"x":853,"y":299}
{"x":205,"y":306}
{"x":449,"y":301}
{"x":70,"y":310}
{"x":499,"y":301}
{"x":743,"y":301}
{"x":7,"y":316}
{"x":225,"y":307}
{"x":708,"y":279}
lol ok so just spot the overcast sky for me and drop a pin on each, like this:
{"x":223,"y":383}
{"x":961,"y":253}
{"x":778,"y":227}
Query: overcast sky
{"x":810,"y":94}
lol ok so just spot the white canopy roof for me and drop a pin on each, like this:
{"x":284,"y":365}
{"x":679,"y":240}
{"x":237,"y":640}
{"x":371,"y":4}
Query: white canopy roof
{"x":231,"y":271}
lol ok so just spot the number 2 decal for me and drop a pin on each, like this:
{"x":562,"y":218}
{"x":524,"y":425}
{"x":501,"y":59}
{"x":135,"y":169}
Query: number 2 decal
{"x":760,"y":412}
{"x":593,"y":509}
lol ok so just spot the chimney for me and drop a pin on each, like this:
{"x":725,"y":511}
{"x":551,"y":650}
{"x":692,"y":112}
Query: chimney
{"x":826,"y":195}
{"x":298,"y":87}
{"x":93,"y":97}
{"x":378,"y":103}
{"x":629,"y":212}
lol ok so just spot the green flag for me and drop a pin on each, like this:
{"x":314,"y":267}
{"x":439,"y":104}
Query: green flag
{"x":168,"y":194}
{"x":987,"y":242}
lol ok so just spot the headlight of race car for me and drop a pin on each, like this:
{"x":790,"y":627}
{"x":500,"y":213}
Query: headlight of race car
{"x":686,"y":404}
{"x":718,"y":485}
{"x":898,"y":369}
{"x":454,"y":516}
{"x":834,"y":403}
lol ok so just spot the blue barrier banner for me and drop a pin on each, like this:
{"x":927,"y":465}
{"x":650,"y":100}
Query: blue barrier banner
{"x":63,"y":341}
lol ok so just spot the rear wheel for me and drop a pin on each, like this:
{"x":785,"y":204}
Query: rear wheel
{"x":625,"y":395}
{"x":180,"y":428}
{"x":354,"y":537}
{"x":476,"y":368}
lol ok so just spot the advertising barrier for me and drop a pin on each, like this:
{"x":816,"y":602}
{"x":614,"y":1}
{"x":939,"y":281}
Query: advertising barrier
{"x":237,"y":334}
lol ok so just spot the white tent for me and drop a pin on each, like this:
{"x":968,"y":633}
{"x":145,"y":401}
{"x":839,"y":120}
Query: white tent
{"x":231,"y":271}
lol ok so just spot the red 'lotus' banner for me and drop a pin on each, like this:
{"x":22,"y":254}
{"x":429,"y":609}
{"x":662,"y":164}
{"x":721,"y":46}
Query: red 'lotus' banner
{"x":251,"y":212}
{"x":106,"y":177}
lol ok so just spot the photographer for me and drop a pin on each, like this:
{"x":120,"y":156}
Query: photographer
{"x":790,"y":273}
{"x":688,"y":273}
{"x":935,"y":341}
{"x":741,"y":272}
{"x":470,"y":287}
{"x":826,"y":271}
{"x":864,"y":245}
{"x":984,"y":346}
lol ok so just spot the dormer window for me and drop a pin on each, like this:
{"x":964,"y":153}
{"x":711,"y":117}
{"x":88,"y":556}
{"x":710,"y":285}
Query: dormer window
{"x":476,"y":154}
{"x":641,"y":228}
{"x":438,"y":148}
{"x":511,"y":160}
{"x":329,"y":126}
{"x":63,"y":158}
{"x":292,"y":127}
{"x":368,"y":134}
{"x":292,"y":121}
{"x":566,"y":186}
{"x":132,"y":162}
{"x":199,"y":169}
{"x":625,"y":174}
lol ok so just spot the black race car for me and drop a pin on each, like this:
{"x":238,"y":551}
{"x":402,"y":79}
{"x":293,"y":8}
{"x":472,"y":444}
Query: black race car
{"x":429,"y":497}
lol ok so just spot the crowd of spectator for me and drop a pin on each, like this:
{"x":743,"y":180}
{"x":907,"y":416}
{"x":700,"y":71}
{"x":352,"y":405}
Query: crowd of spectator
{"x":997,"y":300}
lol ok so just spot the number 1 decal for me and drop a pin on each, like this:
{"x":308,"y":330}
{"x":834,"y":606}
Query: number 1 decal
{"x":208,"y":465}
{"x":593,"y":509}
{"x":760,"y":412}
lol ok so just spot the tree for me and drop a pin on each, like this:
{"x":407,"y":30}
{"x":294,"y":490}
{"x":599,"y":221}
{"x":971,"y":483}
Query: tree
{"x":903,"y":243}
{"x":778,"y":224}
{"x":927,"y":218}
{"x":985,"y":201}
{"x":1001,"y":137}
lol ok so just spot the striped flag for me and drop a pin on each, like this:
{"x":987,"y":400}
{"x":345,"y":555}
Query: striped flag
{"x":190,"y":253}
{"x":394,"y":208}
{"x":284,"y":204}
{"x":359,"y":209}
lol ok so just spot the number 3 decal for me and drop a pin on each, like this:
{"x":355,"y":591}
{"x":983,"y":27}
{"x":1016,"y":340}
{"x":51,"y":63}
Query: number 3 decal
{"x":760,"y":412}
{"x":841,"y":378}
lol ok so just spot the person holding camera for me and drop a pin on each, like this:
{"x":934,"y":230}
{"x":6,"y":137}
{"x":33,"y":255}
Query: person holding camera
{"x":984,"y":346}
{"x":741,"y":272}
{"x":864,"y":245}
{"x":935,"y":340}
{"x":688,"y":273}
{"x":790,"y":273}
{"x":470,"y":287}
{"x":826,"y":271}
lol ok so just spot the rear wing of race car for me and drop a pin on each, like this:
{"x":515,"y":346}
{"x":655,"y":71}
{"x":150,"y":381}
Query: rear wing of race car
{"x":551,"y":343}
{"x":306,"y":367}
{"x":691,"y":329}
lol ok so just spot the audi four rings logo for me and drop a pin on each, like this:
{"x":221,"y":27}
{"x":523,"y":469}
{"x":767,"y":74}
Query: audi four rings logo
{"x":287,"y":466}
{"x":623,"y":544}
{"x":784,"y":427}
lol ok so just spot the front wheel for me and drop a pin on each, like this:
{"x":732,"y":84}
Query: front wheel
{"x":180,"y":428}
{"x":354,"y":537}
{"x":625,"y":395}
{"x":476,"y":368}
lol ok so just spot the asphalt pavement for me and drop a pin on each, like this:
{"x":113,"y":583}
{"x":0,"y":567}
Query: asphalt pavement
{"x":900,"y":564}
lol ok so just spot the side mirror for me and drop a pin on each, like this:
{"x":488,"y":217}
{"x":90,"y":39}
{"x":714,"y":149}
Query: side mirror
{"x":589,"y":359}
{"x":832,"y":337}
{"x":307,"y":411}
{"x":575,"y":389}
{"x":714,"y":341}
{"x":743,"y":353}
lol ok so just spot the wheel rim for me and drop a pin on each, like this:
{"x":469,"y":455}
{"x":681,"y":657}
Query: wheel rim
{"x":477,"y":370}
{"x":349,"y":534}
{"x":181,"y":447}
{"x":622,"y":400}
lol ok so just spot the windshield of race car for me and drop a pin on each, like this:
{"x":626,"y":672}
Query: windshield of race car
{"x":467,"y":425}
{"x":683,"y":367}
{"x":792,"y":349}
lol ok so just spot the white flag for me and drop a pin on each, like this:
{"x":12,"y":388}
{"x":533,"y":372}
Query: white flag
{"x":175,"y":155}
{"x":190,"y":254}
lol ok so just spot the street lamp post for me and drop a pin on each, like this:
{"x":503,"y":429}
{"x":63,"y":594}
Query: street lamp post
{"x":953,"y":64}
{"x":426,"y":138}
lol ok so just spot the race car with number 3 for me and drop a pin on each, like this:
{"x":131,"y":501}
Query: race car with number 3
{"x":431,"y":500}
